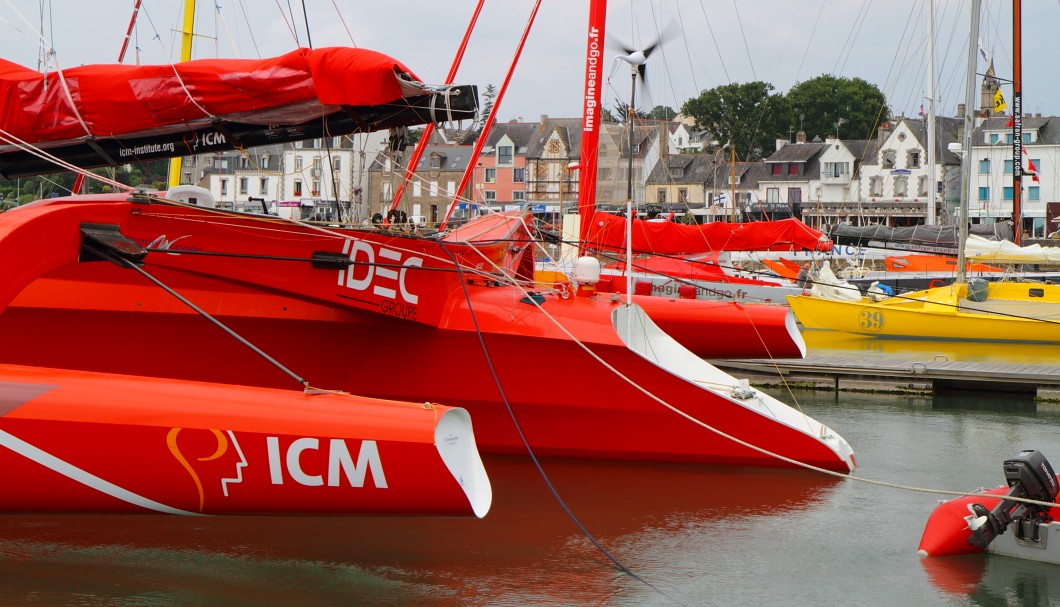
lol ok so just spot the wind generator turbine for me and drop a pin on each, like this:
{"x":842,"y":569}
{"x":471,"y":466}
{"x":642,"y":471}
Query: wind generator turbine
{"x":637,"y":60}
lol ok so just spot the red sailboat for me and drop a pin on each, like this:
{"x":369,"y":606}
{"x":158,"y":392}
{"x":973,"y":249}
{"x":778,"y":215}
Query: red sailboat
{"x":143,"y":284}
{"x":73,"y":441}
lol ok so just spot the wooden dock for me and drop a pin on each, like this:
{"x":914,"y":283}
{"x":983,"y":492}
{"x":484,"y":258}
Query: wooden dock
{"x":901,"y":376}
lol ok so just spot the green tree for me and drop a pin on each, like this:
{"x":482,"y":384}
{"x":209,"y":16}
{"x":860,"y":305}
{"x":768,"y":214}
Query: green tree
{"x":748,"y":115}
{"x":662,"y":112}
{"x":849,"y":108}
{"x":621,"y":112}
{"x":488,"y":97}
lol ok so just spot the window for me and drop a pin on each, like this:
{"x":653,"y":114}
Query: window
{"x":776,"y":169}
{"x":316,"y":143}
{"x":677,"y":172}
{"x":660,"y":195}
{"x":244,"y":162}
{"x":298,"y":144}
{"x":436,"y":161}
{"x":1006,"y":193}
{"x":491,"y":195}
{"x":682,"y":195}
{"x":519,"y":175}
{"x":913,"y":160}
{"x":336,"y":142}
{"x":887,"y":159}
{"x":518,"y":196}
{"x":265,"y":158}
{"x":298,"y":163}
{"x":263,"y":186}
{"x":772,"y":194}
{"x":243,"y":185}
{"x":793,"y":169}
{"x":1008,"y":138}
{"x":921,"y":186}
{"x":794,"y":195}
{"x":994,"y":138}
{"x":901,"y":186}
{"x":984,"y":166}
{"x":1027,"y":137}
{"x":297,"y":187}
{"x":450,"y":189}
{"x":434,"y":188}
{"x":504,"y":155}
{"x":984,"y":193}
{"x":491,"y":175}
{"x":1008,"y":167}
{"x":1033,"y":193}
{"x":876,"y":186}
{"x":336,"y":163}
{"x":836,"y":169}
{"x":417,"y":189}
{"x":316,"y":187}
{"x":224,"y":187}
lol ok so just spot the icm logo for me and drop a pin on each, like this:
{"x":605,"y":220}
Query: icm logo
{"x":385,"y":272}
{"x":340,"y":463}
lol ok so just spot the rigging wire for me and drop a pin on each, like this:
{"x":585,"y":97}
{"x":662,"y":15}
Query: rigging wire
{"x":526,"y":443}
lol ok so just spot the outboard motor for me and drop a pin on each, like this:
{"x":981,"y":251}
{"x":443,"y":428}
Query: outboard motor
{"x":1029,"y":476}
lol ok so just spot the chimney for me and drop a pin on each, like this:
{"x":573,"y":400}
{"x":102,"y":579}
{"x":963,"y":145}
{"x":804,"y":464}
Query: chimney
{"x":884,"y":131}
{"x":960,"y":110}
{"x":800,"y":137}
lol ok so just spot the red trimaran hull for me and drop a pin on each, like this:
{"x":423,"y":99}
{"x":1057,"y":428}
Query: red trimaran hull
{"x":402,"y":323}
{"x":74,"y":441}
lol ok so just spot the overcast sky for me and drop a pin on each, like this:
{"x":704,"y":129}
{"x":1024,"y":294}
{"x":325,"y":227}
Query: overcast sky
{"x":715,"y":42}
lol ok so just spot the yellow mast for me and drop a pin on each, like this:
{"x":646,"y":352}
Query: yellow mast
{"x":186,"y":34}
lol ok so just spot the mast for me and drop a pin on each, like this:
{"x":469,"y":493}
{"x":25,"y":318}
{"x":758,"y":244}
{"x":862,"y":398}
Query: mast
{"x":1017,"y":126}
{"x":186,"y":35}
{"x":594,"y":54}
{"x":932,"y":186}
{"x":966,"y":144}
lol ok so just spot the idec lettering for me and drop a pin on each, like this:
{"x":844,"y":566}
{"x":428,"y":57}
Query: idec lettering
{"x":386,"y":279}
{"x":340,"y":463}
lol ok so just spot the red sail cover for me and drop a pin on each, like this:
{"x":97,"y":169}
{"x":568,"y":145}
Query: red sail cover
{"x":115,"y":100}
{"x":608,"y":232}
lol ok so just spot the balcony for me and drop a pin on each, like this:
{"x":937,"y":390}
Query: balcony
{"x":840,"y":179}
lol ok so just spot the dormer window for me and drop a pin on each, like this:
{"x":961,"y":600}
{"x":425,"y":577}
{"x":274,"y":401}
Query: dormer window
{"x":678,"y":172}
{"x":436,"y":161}
{"x":504,"y":155}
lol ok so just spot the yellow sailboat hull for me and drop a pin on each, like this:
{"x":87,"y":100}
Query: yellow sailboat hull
{"x":1004,"y":311}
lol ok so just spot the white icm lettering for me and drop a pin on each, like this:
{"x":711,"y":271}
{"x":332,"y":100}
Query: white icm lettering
{"x":387,"y":273}
{"x":367,"y":458}
{"x":359,"y":246}
{"x":275,"y":469}
{"x":411,"y":262}
{"x":294,"y":466}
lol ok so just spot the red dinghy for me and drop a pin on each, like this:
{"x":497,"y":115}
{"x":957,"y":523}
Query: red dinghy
{"x":993,"y":521}
{"x":382,"y":314}
{"x":73,"y":441}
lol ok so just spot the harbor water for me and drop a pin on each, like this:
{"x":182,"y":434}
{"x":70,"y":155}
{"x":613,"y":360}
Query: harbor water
{"x":684,"y":535}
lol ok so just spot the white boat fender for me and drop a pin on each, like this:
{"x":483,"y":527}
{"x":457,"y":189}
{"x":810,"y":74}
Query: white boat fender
{"x":879,"y":292}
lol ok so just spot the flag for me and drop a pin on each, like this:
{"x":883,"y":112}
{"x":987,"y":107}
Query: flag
{"x":921,"y":109}
{"x":999,"y":102}
{"x":1031,"y":169}
{"x":1011,"y":121}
